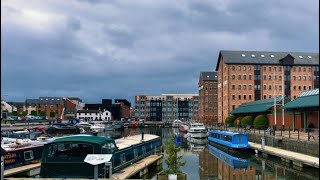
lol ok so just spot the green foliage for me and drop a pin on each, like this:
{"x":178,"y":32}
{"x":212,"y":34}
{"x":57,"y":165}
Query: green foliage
{"x":173,"y":160}
{"x":42,"y":113}
{"x":6,"y":110}
{"x":247,"y":120}
{"x":14,"y":113}
{"x":229,"y":120}
{"x":260,"y":122}
{"x":235,"y":121}
{"x":34,"y":113}
{"x":24,"y":113}
{"x":52,"y":114}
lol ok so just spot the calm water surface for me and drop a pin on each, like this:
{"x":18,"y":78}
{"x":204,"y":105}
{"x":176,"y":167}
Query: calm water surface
{"x":204,"y":161}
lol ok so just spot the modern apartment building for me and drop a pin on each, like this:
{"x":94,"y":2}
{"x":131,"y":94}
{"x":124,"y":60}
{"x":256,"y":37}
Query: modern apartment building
{"x":208,"y":97}
{"x":167,"y":107}
{"x":245,"y":76}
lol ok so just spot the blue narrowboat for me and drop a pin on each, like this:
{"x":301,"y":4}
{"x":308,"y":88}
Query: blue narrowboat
{"x":230,"y":160}
{"x":231,"y":140}
{"x":64,"y":157}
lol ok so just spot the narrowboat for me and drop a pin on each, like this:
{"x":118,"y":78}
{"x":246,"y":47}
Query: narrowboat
{"x":20,"y":153}
{"x":229,"y":159}
{"x":197,"y":130}
{"x":64,"y":157}
{"x":230,"y":140}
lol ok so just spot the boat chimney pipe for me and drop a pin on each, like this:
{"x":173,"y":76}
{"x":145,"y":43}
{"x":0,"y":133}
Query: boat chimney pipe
{"x":142,"y":134}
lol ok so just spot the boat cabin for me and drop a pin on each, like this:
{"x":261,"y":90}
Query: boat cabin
{"x":63,"y":157}
{"x":229,"y":139}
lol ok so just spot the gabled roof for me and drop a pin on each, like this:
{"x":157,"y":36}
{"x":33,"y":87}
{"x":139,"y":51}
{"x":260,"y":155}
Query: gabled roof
{"x":266,"y":57}
{"x":88,"y":111}
{"x":50,"y":100}
{"x":31,"y":101}
{"x":209,"y":76}
{"x":256,"y":106}
{"x":16,"y":104}
{"x":307,"y":99}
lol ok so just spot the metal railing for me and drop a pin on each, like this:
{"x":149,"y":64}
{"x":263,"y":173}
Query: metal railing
{"x":309,"y":134}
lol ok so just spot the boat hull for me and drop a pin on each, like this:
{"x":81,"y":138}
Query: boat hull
{"x":199,"y":135}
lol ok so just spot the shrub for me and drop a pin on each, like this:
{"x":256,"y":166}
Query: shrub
{"x":247,"y":120}
{"x":34,"y":113}
{"x":14,"y":113}
{"x":42,"y":113}
{"x":238,"y":118}
{"x":52,"y":114}
{"x":260,"y":122}
{"x":229,"y":120}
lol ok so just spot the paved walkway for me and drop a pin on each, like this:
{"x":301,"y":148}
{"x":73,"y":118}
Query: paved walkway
{"x":297,"y":157}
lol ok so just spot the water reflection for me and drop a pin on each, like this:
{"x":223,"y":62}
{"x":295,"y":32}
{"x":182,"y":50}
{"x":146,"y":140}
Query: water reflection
{"x":208,"y":162}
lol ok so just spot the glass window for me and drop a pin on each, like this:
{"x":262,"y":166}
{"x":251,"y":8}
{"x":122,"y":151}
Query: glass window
{"x":233,"y":77}
{"x":256,"y":67}
{"x":249,"y":77}
{"x":269,"y":77}
{"x":264,"y":68}
{"x":244,"y":87}
{"x":239,"y":97}
{"x":28,"y":155}
{"x":249,"y":97}
{"x":250,"y":87}
{"x":264,"y":77}
{"x":244,"y":68}
{"x":233,"y":68}
{"x":239,"y":87}
{"x":280,"y":69}
{"x":239,"y":77}
{"x":269,"y":68}
{"x":249,"y":68}
{"x":239,"y":68}
{"x":245,"y":77}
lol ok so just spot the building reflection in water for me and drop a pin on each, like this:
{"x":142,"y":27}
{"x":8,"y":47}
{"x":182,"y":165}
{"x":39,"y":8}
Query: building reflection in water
{"x":215,"y":163}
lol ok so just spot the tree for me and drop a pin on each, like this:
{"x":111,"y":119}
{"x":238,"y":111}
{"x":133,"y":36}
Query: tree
{"x":43,"y":114}
{"x":229,"y":120}
{"x":247,"y":120}
{"x":34,"y":113}
{"x":260,"y":122}
{"x":173,"y":160}
{"x":24,"y":113}
{"x":14,"y":113}
{"x":52,"y":114}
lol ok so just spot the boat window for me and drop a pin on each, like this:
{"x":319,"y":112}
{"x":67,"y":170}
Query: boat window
{"x":123,"y":158}
{"x":239,"y":138}
{"x":28,"y":155}
{"x":70,"y":150}
{"x":108,"y":148}
{"x":143,"y":149}
{"x":135,"y":153}
{"x":229,"y":138}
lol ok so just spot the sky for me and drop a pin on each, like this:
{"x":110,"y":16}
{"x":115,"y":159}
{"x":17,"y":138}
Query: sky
{"x":94,"y":49}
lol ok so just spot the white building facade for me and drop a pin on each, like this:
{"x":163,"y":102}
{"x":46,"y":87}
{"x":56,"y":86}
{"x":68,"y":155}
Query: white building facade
{"x":94,"y":115}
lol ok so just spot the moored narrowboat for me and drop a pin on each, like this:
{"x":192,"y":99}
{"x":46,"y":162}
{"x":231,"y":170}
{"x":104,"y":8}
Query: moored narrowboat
{"x":64,"y":157}
{"x":232,"y":140}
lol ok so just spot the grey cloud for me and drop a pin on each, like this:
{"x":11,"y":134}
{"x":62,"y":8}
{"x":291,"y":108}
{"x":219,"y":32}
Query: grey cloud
{"x":115,"y":49}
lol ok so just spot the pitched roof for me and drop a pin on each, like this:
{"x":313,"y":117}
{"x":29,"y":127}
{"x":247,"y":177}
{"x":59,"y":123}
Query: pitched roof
{"x":306,"y":99}
{"x":88,"y":111}
{"x":209,"y":76}
{"x":50,"y":100}
{"x":16,"y":104}
{"x":266,"y":57}
{"x":256,"y":106}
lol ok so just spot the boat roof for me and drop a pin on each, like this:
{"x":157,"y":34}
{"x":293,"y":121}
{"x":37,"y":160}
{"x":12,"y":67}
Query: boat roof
{"x":228,"y":132}
{"x":84,"y":138}
{"x":133,"y":140}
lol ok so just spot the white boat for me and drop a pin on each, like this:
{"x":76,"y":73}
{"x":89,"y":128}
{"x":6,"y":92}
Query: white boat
{"x":97,"y":127}
{"x":197,"y":130}
{"x":176,"y":123}
{"x":197,"y":148}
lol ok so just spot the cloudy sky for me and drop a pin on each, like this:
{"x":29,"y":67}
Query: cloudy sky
{"x":97,"y":49}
